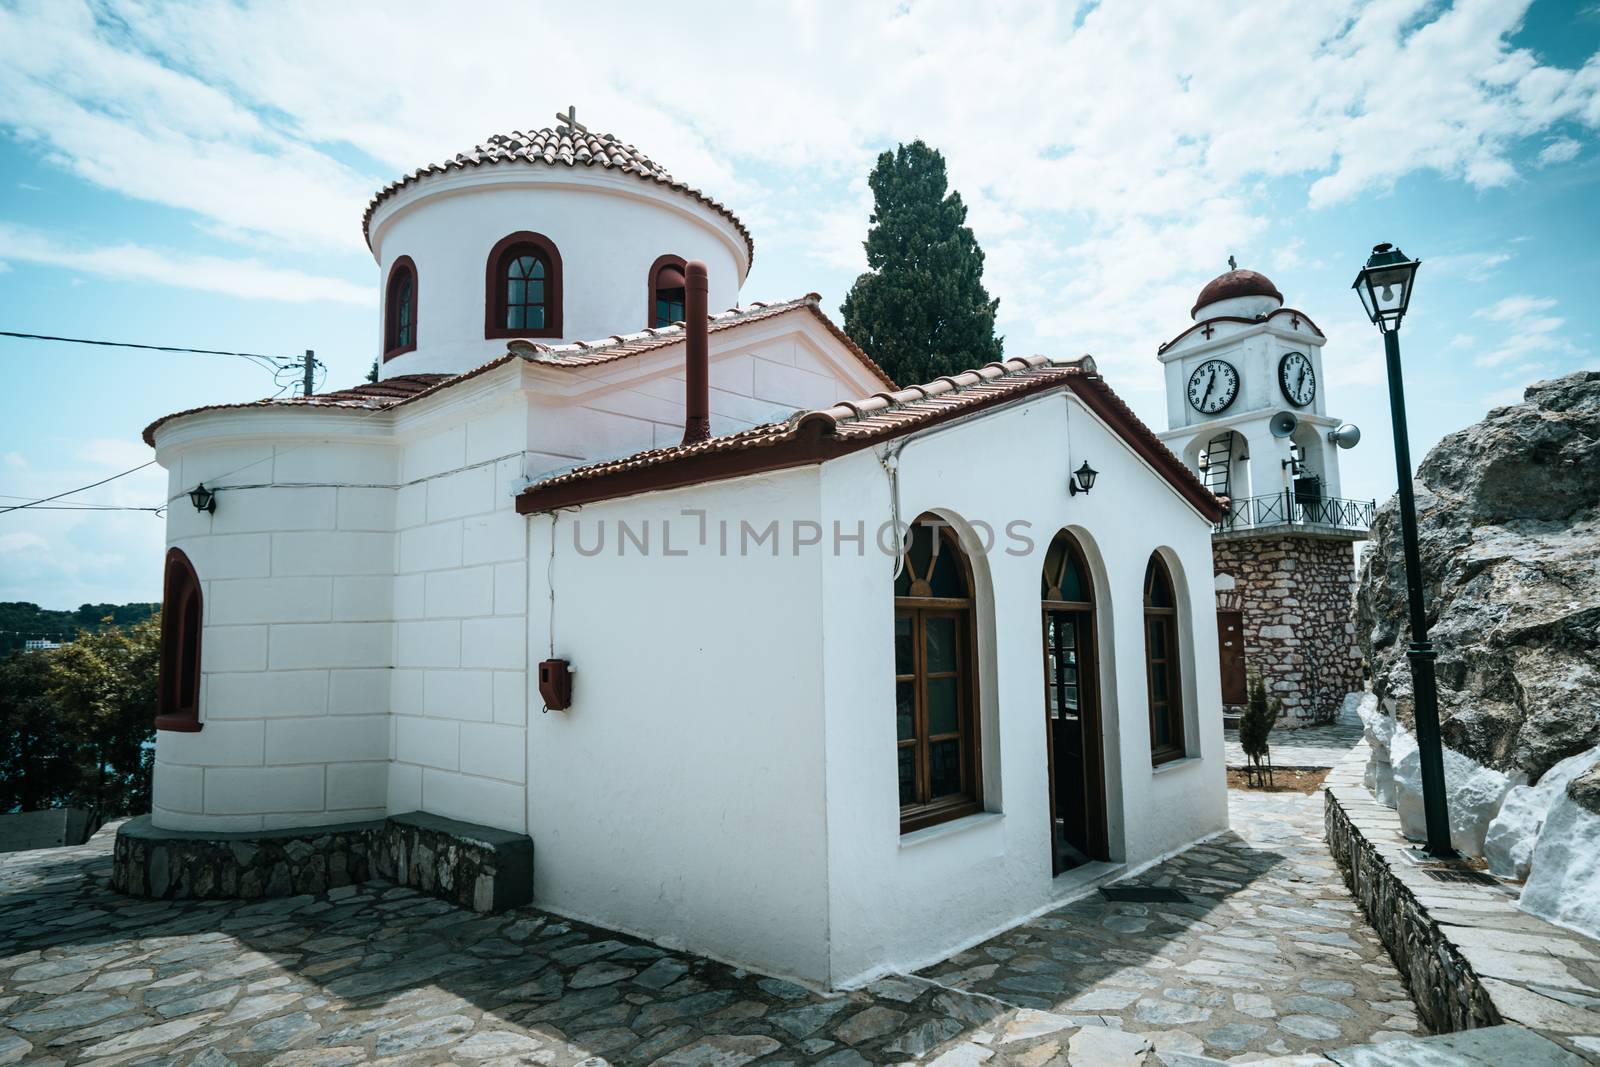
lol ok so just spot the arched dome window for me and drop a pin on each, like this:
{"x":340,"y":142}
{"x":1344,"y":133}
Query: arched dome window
{"x":400,"y":309}
{"x":523,"y":288}
{"x":666,"y":292}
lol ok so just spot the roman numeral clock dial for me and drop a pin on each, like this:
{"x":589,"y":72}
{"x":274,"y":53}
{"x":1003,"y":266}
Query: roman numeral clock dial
{"x":1212,"y":386}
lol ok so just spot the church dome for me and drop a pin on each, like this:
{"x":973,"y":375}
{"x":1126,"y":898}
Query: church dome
{"x":1234,"y":284}
{"x":560,"y":146}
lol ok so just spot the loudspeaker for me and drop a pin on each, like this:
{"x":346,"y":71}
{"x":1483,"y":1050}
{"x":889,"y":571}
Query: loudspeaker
{"x":1346,"y":436}
{"x":1283,"y":424}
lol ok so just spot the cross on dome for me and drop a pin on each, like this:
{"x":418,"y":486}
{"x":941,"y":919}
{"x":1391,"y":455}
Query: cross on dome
{"x":571,"y":119}
{"x":1232,"y":263}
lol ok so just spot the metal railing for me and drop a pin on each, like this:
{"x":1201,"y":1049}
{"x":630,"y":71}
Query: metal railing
{"x":1291,"y":509}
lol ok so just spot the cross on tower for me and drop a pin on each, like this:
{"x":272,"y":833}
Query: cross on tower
{"x":1232,"y":263}
{"x":1207,"y":330}
{"x":571,"y":119}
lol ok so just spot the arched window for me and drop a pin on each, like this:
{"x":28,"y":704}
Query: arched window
{"x":1161,"y":663}
{"x":523,"y":288}
{"x":666,"y":292}
{"x":935,"y":680}
{"x":400,"y":309}
{"x":178,"y":679}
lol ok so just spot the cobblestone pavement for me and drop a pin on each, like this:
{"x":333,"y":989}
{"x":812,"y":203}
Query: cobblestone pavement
{"x":1305,"y":746}
{"x":1268,"y":955}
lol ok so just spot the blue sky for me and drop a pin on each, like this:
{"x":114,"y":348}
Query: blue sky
{"x":193,"y":174}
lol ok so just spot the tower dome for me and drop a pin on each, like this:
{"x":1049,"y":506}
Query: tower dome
{"x":553,"y":235}
{"x":1233,"y":285}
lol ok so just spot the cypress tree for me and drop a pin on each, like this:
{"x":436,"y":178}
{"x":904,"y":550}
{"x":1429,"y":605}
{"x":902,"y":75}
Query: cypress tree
{"x":921,"y":310}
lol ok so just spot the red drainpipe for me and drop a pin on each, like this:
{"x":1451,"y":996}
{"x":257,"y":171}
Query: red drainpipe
{"x":697,"y":369}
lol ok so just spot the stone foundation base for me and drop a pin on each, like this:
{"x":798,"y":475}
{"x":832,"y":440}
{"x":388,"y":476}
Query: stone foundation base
{"x":474,"y":866}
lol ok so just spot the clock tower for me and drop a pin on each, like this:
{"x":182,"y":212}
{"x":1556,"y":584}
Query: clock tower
{"x":1247,"y":411}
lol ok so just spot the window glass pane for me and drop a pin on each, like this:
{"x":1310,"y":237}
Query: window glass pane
{"x":1158,"y":639}
{"x":908,"y":776}
{"x":1073,"y":587}
{"x":535,"y":317}
{"x":1158,"y":683}
{"x":903,"y":651}
{"x":941,"y":642}
{"x":661,"y":318}
{"x":942,"y":710}
{"x":537,"y":270}
{"x":902,"y":581}
{"x":523,"y":266}
{"x":904,"y":695}
{"x":1160,"y":592}
{"x":516,"y":292}
{"x":1052,"y":568}
{"x":536,"y":292}
{"x":1163,"y":728}
{"x":947,"y":578}
{"x":944,"y":769}
{"x":514,"y":317}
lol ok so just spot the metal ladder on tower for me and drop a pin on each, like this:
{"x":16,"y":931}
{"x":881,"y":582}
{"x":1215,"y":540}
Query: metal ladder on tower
{"x":1219,"y":460}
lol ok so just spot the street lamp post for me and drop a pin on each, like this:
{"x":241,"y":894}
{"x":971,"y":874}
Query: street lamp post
{"x":1384,"y":286}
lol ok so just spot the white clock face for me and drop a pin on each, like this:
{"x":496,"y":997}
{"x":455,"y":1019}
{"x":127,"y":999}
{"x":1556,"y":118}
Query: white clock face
{"x":1212,"y":386}
{"x":1297,"y":379}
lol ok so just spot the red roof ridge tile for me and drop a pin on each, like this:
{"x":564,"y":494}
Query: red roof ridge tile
{"x":558,"y":146}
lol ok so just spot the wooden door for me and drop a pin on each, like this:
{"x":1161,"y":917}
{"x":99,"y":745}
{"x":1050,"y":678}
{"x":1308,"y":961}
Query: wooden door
{"x":1072,"y":710}
{"x":1230,"y":649}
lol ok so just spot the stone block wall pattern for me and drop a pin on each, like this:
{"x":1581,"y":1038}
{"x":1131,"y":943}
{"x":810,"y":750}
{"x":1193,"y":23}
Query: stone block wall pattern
{"x":475,"y":867}
{"x":1296,"y":595}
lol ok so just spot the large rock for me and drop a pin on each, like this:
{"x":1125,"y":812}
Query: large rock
{"x":1564,"y":884}
{"x":1510,"y":842}
{"x":1509,"y":528}
{"x":1473,"y":793}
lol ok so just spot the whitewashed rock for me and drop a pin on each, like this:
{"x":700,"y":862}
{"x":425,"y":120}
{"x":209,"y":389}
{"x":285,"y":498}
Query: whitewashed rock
{"x":1512,"y":836}
{"x":1473,"y":794}
{"x":1564,"y":882}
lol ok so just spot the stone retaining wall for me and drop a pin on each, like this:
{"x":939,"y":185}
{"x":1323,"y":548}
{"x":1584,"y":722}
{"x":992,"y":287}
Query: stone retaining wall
{"x":1295,"y":595}
{"x":1471,"y":957}
{"x":474,"y":866}
{"x":1447,"y":993}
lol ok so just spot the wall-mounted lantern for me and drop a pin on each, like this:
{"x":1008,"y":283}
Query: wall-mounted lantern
{"x":203,"y":499}
{"x":1083,"y":480}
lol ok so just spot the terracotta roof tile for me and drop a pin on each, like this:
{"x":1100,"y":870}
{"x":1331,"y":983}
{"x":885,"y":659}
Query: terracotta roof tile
{"x":560,"y":146}
{"x":809,"y":437}
{"x":404,"y":388}
{"x":371,"y":396}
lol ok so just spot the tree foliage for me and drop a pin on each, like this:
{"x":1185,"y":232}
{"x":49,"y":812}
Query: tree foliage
{"x":1256,"y":723}
{"x":20,"y":620}
{"x":77,"y":722}
{"x":921,"y":310}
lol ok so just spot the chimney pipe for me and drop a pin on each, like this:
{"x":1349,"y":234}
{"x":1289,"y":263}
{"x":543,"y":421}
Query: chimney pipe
{"x":697,"y":369}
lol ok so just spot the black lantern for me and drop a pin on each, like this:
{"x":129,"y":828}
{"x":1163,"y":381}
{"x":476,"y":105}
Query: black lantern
{"x":1083,"y":480}
{"x":1384,"y":285}
{"x":202,"y":498}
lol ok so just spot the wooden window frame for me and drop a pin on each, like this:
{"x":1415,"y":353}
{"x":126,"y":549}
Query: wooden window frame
{"x":924,"y":811}
{"x":494,"y":286}
{"x":391,"y":312}
{"x":1169,"y":667}
{"x":182,"y":622}
{"x":668,"y":260}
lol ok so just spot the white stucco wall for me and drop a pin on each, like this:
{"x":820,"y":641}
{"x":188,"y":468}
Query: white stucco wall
{"x":295,"y":569}
{"x":680,"y":797}
{"x":899,"y":902}
{"x":365,"y":576}
{"x":608,"y":230}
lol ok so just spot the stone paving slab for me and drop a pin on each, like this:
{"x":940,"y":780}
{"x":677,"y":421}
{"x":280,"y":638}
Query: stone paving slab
{"x":1305,"y":746}
{"x":1270,"y":956}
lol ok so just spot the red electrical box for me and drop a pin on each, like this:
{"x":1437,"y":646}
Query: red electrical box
{"x":555,"y":684}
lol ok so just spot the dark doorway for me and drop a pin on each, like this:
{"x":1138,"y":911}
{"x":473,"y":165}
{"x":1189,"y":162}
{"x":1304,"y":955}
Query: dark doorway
{"x":1230,"y":647}
{"x":1072,"y":710}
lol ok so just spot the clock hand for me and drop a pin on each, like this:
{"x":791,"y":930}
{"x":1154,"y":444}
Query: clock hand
{"x":1210,"y":384}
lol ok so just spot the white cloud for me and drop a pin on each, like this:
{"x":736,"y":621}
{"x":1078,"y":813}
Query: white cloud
{"x":246,"y":278}
{"x":1528,"y":330}
{"x":1560,"y":150}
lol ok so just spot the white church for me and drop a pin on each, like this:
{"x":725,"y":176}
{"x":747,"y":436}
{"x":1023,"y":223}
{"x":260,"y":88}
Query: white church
{"x":769,"y":657}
